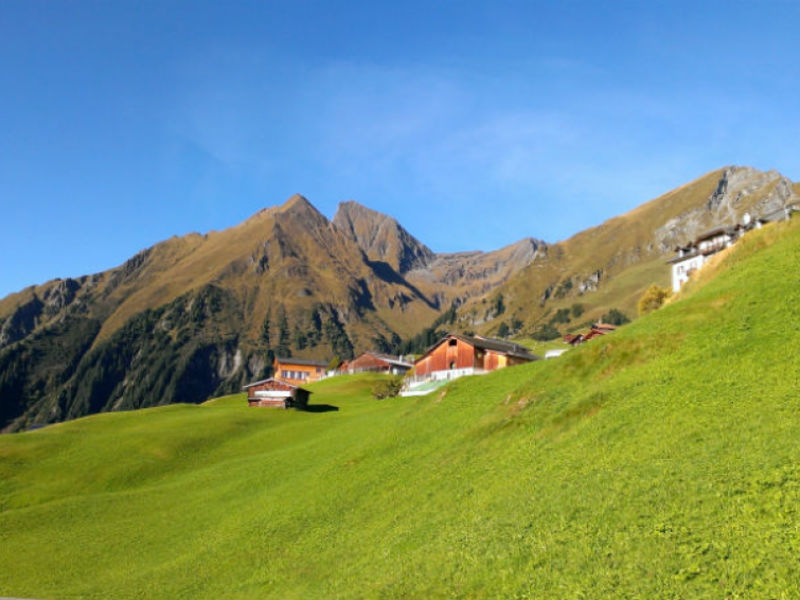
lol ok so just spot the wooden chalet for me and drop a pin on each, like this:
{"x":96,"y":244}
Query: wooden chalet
{"x":298,"y":371}
{"x":272,"y":392}
{"x":456,"y":354}
{"x":376,"y":363}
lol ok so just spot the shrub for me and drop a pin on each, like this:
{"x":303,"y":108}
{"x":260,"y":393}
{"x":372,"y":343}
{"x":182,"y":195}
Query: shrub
{"x":545,"y":333}
{"x":388,"y":388}
{"x":577,"y":310}
{"x":615,"y":317}
{"x":561,"y":316}
{"x":503,"y":330}
{"x":652,"y":299}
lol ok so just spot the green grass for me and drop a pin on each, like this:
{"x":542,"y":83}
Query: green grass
{"x":658,"y":462}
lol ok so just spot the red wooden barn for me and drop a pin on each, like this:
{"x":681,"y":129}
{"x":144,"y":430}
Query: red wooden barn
{"x":272,"y":392}
{"x":468,"y":354}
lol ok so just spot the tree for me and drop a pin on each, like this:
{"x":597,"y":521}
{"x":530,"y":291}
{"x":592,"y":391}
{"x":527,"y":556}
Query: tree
{"x":545,"y":333}
{"x":337,"y":337}
{"x":265,"y":329}
{"x":498,"y":307}
{"x":615,"y":317}
{"x":577,"y":310}
{"x":652,"y":299}
{"x":503,"y":330}
{"x":299,"y":337}
{"x":283,"y":348}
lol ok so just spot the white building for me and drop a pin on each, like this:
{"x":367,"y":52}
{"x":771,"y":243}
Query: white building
{"x":695,"y":254}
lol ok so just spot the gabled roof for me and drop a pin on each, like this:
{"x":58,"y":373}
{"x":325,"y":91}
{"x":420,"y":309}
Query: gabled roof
{"x":391,"y":359}
{"x":263,"y":381}
{"x":484,"y":343}
{"x":301,"y":361}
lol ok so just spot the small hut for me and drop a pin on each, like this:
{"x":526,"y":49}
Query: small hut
{"x":272,"y":392}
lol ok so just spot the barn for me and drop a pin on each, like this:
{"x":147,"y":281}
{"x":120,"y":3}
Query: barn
{"x":376,"y":363}
{"x":456,"y":354}
{"x":272,"y":392}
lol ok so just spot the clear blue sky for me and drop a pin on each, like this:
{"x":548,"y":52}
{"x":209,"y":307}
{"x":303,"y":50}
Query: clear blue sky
{"x":474,"y":124}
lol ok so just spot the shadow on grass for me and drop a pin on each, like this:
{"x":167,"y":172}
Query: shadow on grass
{"x":321,"y":408}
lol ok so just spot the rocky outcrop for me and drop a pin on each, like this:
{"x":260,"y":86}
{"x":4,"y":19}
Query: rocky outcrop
{"x":739,"y":190}
{"x":463,"y":275}
{"x":381,"y":237}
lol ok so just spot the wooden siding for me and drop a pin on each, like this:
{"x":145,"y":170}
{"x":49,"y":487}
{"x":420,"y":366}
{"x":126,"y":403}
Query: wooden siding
{"x":367,"y":361}
{"x":291,"y":396}
{"x":460,"y":355}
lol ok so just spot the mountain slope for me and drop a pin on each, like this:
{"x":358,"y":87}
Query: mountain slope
{"x":202,"y":314}
{"x":381,"y":237}
{"x":612,"y":264}
{"x":658,"y":462}
{"x":199,"y":315}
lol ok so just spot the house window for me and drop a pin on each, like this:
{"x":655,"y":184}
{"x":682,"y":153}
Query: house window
{"x":452,"y":343}
{"x":452,"y":364}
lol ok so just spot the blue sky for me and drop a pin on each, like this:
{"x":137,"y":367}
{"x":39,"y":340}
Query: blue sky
{"x":474,"y":124}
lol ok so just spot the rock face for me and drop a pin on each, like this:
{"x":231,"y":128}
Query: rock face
{"x":739,"y":190}
{"x":610,"y":265}
{"x":381,"y":237}
{"x":462,"y":275}
{"x":444,"y":278}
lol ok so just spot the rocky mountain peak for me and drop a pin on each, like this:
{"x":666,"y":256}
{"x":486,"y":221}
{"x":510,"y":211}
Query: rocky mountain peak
{"x":381,"y":237}
{"x":300,"y":212}
{"x":738,"y":190}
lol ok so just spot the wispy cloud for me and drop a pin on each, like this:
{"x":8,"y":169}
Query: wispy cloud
{"x":399,"y":136}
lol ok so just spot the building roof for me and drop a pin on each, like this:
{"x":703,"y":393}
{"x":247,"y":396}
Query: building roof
{"x":484,"y":343}
{"x":714,"y":233}
{"x":391,"y":359}
{"x":280,"y":381}
{"x":301,"y":361}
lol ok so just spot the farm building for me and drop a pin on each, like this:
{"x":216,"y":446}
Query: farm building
{"x":298,"y":371}
{"x":376,"y":363}
{"x":272,"y":392}
{"x":456,"y":354}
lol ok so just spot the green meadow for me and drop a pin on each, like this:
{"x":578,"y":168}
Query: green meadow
{"x":662,"y":461}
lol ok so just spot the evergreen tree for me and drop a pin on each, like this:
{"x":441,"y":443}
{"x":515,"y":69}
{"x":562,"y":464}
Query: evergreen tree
{"x":299,"y":337}
{"x":265,"y":329}
{"x":283,"y":348}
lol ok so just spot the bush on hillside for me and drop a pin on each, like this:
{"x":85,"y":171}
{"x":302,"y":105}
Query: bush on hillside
{"x":503,"y":330}
{"x":652,"y":299}
{"x":387,"y":388}
{"x":545,"y":333}
{"x":615,"y":317}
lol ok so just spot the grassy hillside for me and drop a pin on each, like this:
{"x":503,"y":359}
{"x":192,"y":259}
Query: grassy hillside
{"x":659,"y":462}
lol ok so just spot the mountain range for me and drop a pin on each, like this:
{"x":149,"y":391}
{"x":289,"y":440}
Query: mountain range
{"x":199,"y":315}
